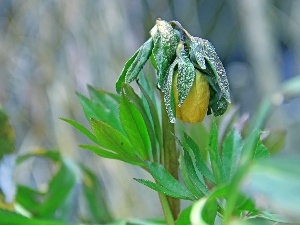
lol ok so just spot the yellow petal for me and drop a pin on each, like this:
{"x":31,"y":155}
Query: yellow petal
{"x":195,"y":106}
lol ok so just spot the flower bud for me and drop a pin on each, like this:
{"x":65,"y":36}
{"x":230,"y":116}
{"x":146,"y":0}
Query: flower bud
{"x":195,"y":106}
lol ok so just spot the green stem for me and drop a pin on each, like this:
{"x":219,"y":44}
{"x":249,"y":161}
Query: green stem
{"x":166,"y":209}
{"x":170,"y":155}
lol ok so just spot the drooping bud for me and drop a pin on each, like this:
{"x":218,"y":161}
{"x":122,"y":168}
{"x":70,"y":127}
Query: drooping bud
{"x":194,"y":107}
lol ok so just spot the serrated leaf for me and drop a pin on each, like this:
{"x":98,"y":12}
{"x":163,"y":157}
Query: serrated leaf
{"x":82,"y":129}
{"x":196,"y":181}
{"x":137,"y":102}
{"x":97,"y":111}
{"x":154,"y":118}
{"x":214,"y":155}
{"x":231,"y":152}
{"x":186,"y":178}
{"x":105,"y":99}
{"x":186,"y":76}
{"x":161,"y":189}
{"x":143,"y":55}
{"x":112,"y":139}
{"x":165,"y":43}
{"x":106,"y":153}
{"x":200,"y":163}
{"x":135,"y":127}
{"x":164,"y":178}
{"x":169,"y":98}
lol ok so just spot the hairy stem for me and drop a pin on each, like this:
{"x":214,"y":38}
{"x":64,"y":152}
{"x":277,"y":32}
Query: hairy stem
{"x":170,"y":155}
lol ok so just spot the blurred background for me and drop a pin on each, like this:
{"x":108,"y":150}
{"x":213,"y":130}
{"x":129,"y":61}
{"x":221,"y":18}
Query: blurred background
{"x":51,"y":49}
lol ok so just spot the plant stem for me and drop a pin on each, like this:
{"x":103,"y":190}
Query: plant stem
{"x":166,"y":208}
{"x":169,"y":155}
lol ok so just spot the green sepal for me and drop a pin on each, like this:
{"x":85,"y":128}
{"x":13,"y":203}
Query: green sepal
{"x":135,"y":64}
{"x":169,"y":98}
{"x":165,"y":40}
{"x":204,"y":57}
{"x":186,"y":76}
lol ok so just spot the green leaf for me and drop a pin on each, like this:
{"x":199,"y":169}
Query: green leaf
{"x":140,"y":60}
{"x":210,"y":211}
{"x":134,"y":126}
{"x":184,"y":216}
{"x":186,"y":76}
{"x":277,"y":181}
{"x":167,"y":89}
{"x":60,"y":188}
{"x":261,"y":151}
{"x":200,"y":163}
{"x":137,"y":101}
{"x":231,"y":152}
{"x":165,"y":40}
{"x":196,"y":181}
{"x":214,"y":155}
{"x":186,"y":178}
{"x":7,"y":135}
{"x":94,"y":197}
{"x":82,"y":129}
{"x":97,"y":111}
{"x":165,"y":179}
{"x":121,"y":79}
{"x":113,"y":140}
{"x":10,"y":218}
{"x":29,"y":199}
{"x":106,"y":153}
{"x":161,"y":189}
{"x":105,"y":99}
{"x":53,"y":155}
{"x":155,"y":121}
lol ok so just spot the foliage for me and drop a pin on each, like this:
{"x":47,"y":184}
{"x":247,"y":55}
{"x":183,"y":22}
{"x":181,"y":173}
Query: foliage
{"x":226,"y":170}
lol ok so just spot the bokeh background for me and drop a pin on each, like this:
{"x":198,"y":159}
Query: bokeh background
{"x":50,"y":49}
